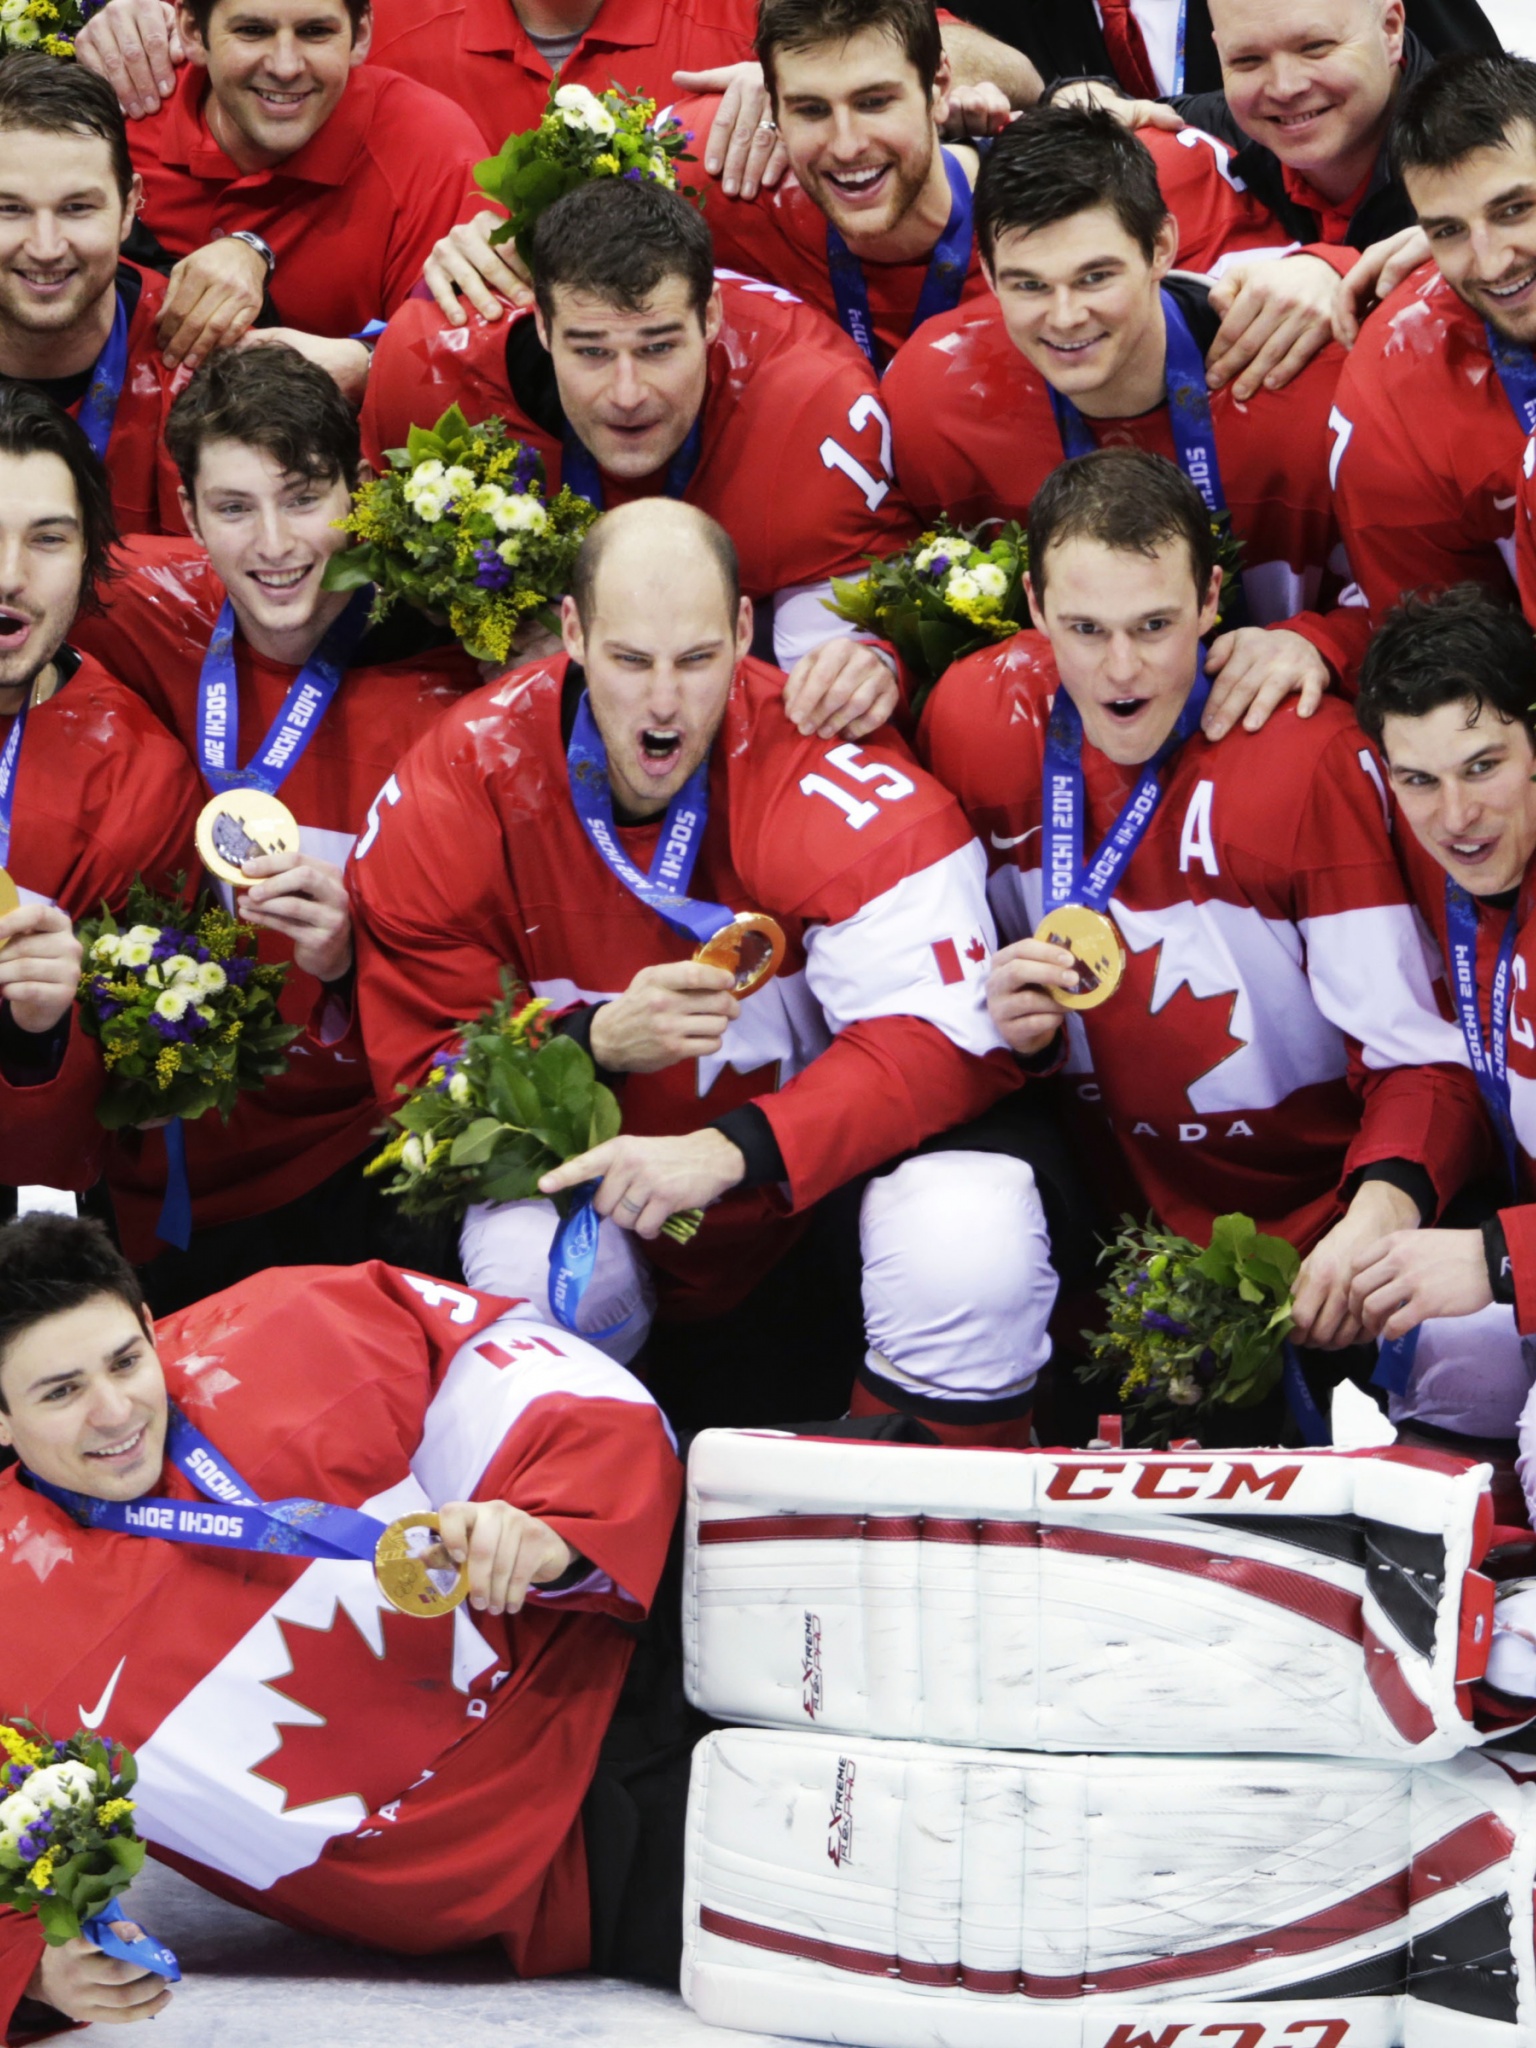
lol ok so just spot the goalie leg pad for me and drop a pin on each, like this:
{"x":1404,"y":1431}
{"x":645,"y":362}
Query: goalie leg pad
{"x":504,"y":1249}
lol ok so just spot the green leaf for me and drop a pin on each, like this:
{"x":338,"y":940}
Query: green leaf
{"x":423,"y":445}
{"x":607,"y":1118}
{"x":351,"y":569}
{"x":474,"y":1146}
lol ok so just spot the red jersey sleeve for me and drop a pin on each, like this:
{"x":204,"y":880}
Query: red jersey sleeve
{"x":1217,"y":215}
{"x":433,"y":181}
{"x":21,"y":1950}
{"x":1525,"y":531}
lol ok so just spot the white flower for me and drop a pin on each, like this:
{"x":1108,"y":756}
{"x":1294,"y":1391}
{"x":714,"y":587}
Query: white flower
{"x":459,"y":482}
{"x":430,"y":506}
{"x":21,"y":35}
{"x":426,"y":476}
{"x":152,"y":976}
{"x":961,"y":587}
{"x":990,"y":580}
{"x":173,"y":1004}
{"x":580,"y":108}
{"x":64,"y":1784}
{"x":509,"y":550}
{"x":413,"y":1155}
{"x":488,"y":498}
{"x":1183,"y":1391}
{"x":458,"y":1088}
{"x":143,"y":934}
{"x":211,"y":978}
{"x":13,"y":10}
{"x":179,"y":967}
{"x":521,"y":512}
{"x":926,"y":557}
{"x":21,"y":1810}
{"x":106,"y":947}
{"x":134,"y":953}
{"x":661,"y":169}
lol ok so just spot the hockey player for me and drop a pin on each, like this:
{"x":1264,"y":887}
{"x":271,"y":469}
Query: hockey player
{"x":1439,"y":394}
{"x":1268,"y":1040}
{"x":433,"y":1800}
{"x":268,"y":454}
{"x":641,"y":374}
{"x":1087,"y":341}
{"x":1446,"y":694}
{"x":521,"y":832}
{"x":93,"y":790}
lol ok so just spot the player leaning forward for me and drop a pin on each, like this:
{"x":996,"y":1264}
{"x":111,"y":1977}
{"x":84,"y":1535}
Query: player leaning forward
{"x":433,"y":1796}
{"x":1265,"y":1037}
{"x":655,"y":738}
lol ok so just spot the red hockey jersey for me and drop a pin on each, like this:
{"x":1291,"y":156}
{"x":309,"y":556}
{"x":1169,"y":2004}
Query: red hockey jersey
{"x":975,"y":437}
{"x":873,"y":1034}
{"x":796,"y":455}
{"x":1277,"y":1027}
{"x":1525,"y":531}
{"x":1426,"y":450}
{"x":288,"y":1136}
{"x":781,"y":234}
{"x":302,"y":1748}
{"x":103,"y":794}
{"x":351,"y":217}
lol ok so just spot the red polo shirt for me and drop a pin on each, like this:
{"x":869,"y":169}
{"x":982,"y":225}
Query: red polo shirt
{"x":351,"y":217}
{"x":479,"y":53}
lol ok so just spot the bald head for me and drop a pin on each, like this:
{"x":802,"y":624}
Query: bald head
{"x":655,"y":549}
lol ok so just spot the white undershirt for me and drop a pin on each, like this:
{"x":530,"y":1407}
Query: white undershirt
{"x":1159,"y":24}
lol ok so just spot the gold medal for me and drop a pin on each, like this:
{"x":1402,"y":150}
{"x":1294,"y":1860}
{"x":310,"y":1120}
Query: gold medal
{"x":414,"y":1571}
{"x":1096,"y":950}
{"x":242,"y":825}
{"x":751,"y":946}
{"x":9,"y":900}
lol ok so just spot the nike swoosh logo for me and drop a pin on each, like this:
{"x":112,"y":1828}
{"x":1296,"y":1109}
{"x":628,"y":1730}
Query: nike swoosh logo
{"x":1003,"y":844}
{"x":1502,"y":504}
{"x":95,"y":1719}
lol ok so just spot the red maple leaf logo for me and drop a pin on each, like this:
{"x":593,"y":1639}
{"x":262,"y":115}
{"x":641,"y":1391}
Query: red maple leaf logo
{"x":383,"y":1718}
{"x":976,"y":951}
{"x":1201,"y":1026}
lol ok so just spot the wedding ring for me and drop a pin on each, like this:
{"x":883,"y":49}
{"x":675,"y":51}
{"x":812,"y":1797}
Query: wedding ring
{"x":628,"y":1204}
{"x":769,"y":127}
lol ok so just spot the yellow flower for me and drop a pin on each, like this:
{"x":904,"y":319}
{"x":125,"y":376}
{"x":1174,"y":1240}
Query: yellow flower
{"x":41,"y":1873}
{"x":389,"y":1157}
{"x":113,"y":1809}
{"x":18,"y":1748}
{"x":606,"y":162}
{"x":167,"y":1065}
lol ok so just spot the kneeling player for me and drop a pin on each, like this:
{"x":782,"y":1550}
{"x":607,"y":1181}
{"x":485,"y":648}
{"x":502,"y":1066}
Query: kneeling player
{"x":1266,"y":1037}
{"x":433,"y":1798}
{"x":550,"y":822}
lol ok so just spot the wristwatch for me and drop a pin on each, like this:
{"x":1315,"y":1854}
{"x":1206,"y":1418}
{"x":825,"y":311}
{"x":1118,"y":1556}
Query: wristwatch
{"x":253,"y":241}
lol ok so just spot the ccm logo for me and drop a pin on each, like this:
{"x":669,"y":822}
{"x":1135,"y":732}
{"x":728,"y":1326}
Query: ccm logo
{"x":1105,"y":1478}
{"x":1232,"y":2034}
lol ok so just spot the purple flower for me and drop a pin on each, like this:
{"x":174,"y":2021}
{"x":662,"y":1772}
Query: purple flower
{"x":525,"y":471}
{"x":238,"y":969}
{"x":1206,"y":1367}
{"x":493,"y":573}
{"x":1154,"y":1319}
{"x":633,"y":175}
{"x":938,"y":567}
{"x":1134,"y":1287}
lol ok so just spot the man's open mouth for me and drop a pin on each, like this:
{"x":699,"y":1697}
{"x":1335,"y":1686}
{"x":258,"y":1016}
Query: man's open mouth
{"x":660,"y":745}
{"x":119,"y":1452}
{"x":15,"y":627}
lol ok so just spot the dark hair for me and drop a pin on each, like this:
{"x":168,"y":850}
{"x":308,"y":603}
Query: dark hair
{"x":618,"y":241}
{"x":40,"y":93}
{"x":270,"y":398}
{"x":1054,"y":162}
{"x":201,"y":12}
{"x":1464,"y":103}
{"x":1127,"y":500}
{"x":713,"y":538}
{"x":1456,"y":646}
{"x":33,"y":425}
{"x":50,"y":1264}
{"x":800,"y":24}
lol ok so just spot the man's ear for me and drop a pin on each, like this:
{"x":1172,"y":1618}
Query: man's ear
{"x":540,"y":329}
{"x":744,"y":626}
{"x":943,"y":86}
{"x":191,"y":41}
{"x":714,"y":316}
{"x":570,"y":630}
{"x":131,"y":207}
{"x":1165,"y":249}
{"x":362,"y":38}
{"x":365,"y":472}
{"x":1211,"y":604}
{"x":188,"y":512}
{"x":1036,"y":607}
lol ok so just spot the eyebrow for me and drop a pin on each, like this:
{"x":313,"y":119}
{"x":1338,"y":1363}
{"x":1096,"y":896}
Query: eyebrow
{"x":662,"y":327}
{"x":1494,"y":748}
{"x":59,"y":1379}
{"x":868,"y":85}
{"x":1017,"y":269}
{"x":1524,"y":190}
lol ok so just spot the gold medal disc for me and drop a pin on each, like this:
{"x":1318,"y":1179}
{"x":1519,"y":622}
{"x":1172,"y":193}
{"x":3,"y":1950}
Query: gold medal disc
{"x":1095,"y":947}
{"x":242,"y":825}
{"x":751,"y":946}
{"x":414,"y":1571}
{"x":10,"y":899}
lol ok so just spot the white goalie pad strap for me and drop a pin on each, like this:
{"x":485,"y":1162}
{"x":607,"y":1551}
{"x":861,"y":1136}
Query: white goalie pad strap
{"x":903,"y":1895}
{"x":1300,"y":1602}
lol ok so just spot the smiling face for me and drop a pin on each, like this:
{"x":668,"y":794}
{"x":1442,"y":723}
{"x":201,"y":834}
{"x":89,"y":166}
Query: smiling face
{"x":1125,"y":630}
{"x":1480,"y":216}
{"x":42,"y":562}
{"x":1080,"y":301}
{"x":1312,"y":80}
{"x":631,"y":383}
{"x":276,"y":71}
{"x":660,"y":650}
{"x":86,"y":1400}
{"x":860,"y":129}
{"x":1465,"y":786}
{"x":269,"y":534}
{"x":62,"y":223}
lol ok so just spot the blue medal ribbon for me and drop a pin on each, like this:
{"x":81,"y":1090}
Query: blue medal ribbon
{"x":144,"y":1952}
{"x":579,"y":471}
{"x":663,"y":889}
{"x":1516,"y":366}
{"x":1194,"y":434}
{"x":1310,"y":1422}
{"x":98,"y":408}
{"x":10,"y":755}
{"x":297,"y":722}
{"x":239,"y":1519}
{"x":948,"y":268}
{"x":1489,"y":1060}
{"x":1066,"y":880}
{"x":175,"y":1222}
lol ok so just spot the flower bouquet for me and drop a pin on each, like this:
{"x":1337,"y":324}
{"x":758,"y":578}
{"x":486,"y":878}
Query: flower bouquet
{"x":67,"y":1840}
{"x":1194,"y":1331}
{"x":950,"y":593}
{"x":581,"y":135}
{"x":515,"y":1101}
{"x":458,"y":525}
{"x":186,"y":1014}
{"x":47,"y":25}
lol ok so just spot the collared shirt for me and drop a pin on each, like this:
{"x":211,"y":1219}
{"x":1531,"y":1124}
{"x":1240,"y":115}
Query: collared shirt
{"x":1333,"y":215}
{"x":351,"y":217}
{"x":479,"y":53}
